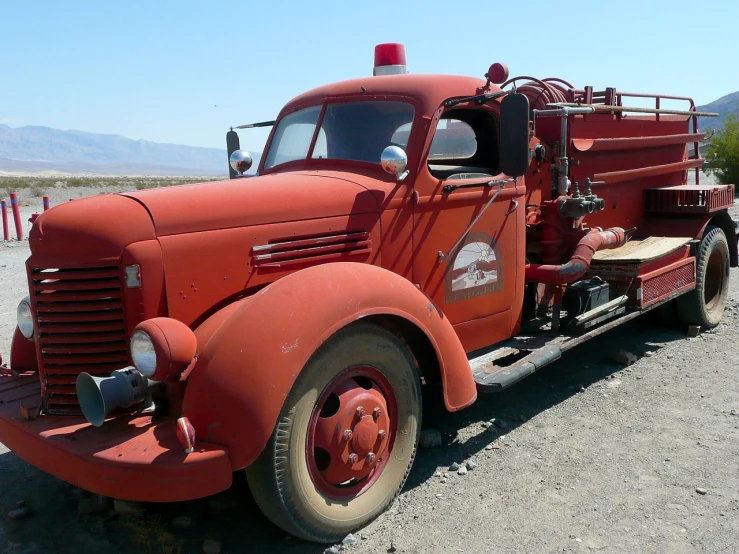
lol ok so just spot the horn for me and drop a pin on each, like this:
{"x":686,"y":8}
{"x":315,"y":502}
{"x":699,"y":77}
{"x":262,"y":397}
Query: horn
{"x":98,"y":396}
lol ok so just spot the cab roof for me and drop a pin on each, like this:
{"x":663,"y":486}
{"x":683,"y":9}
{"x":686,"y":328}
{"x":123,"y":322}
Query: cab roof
{"x":427,"y":91}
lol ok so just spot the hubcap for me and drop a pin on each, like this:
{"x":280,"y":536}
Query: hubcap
{"x":351,"y":433}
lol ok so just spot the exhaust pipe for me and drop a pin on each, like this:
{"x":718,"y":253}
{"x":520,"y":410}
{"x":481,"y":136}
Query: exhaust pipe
{"x":98,"y":396}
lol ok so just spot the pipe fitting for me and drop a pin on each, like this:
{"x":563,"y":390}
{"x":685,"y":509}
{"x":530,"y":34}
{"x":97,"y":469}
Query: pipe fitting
{"x":579,"y":262}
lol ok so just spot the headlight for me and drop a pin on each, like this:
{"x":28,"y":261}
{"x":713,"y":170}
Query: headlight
{"x":143,"y":353}
{"x":25,"y":318}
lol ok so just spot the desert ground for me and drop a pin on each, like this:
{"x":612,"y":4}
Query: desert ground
{"x":585,"y":456}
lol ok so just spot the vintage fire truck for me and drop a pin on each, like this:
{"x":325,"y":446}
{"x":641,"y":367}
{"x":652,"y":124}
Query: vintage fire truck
{"x":402,"y":231}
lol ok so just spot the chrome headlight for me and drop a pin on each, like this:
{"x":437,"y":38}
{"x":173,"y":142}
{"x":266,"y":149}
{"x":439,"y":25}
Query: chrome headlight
{"x":25,"y":318}
{"x":143,"y":354}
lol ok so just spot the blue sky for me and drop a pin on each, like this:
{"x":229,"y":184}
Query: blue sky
{"x":182,"y":71}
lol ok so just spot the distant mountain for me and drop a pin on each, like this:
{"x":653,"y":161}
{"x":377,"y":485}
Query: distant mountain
{"x":723,"y":106}
{"x":35,"y":149}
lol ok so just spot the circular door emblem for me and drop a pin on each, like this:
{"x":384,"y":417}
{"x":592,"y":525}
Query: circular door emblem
{"x":475,"y":269}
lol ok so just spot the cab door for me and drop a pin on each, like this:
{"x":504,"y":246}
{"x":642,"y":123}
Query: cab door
{"x":474,"y":274}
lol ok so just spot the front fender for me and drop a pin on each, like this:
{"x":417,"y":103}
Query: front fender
{"x":253,"y":351}
{"x":22,"y":353}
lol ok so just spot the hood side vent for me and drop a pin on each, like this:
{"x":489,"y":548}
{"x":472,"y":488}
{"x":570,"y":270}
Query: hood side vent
{"x":321,"y":248}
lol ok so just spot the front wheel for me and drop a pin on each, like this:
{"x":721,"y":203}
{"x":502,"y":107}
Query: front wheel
{"x":704,"y":305}
{"x":345,"y":438}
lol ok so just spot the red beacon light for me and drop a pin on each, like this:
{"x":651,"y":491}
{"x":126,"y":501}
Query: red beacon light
{"x":498,"y":73}
{"x":390,"y":59}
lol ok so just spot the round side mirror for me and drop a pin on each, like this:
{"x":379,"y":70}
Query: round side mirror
{"x":394,"y":160}
{"x":240,"y":161}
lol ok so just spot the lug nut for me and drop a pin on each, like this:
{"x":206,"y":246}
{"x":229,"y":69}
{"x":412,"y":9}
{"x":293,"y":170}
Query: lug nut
{"x":377,"y":412}
{"x":348,"y":435}
{"x":353,"y":458}
{"x":382,"y":434}
{"x":370,"y":458}
{"x":360,"y":411}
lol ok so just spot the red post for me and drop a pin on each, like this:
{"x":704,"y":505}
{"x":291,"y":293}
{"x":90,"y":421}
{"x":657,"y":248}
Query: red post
{"x":47,"y":203}
{"x":16,"y":215}
{"x":6,"y":231}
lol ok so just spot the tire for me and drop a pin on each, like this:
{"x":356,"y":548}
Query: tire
{"x":704,"y":305}
{"x":300,"y":479}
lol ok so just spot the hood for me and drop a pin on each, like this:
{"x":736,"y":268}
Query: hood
{"x":273,"y":198}
{"x":88,"y":230}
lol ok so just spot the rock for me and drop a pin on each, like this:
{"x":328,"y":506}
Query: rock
{"x":19,"y":513}
{"x":20,"y":504}
{"x":211,"y":547}
{"x":486,"y":424}
{"x":500,"y":424}
{"x":92,"y":505}
{"x":462,"y":471}
{"x":182,"y":522}
{"x":332,"y":550}
{"x":489,"y":447}
{"x":471,"y":464}
{"x":349,"y":540}
{"x":454,"y":466}
{"x":701,"y":490}
{"x":733,"y":412}
{"x":430,"y":438}
{"x":623,"y":357}
{"x":127,"y":508}
{"x":648,"y":354}
{"x":694,"y":330}
{"x":393,"y":547}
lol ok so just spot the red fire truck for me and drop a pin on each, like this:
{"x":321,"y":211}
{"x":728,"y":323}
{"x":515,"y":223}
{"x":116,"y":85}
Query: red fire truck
{"x":401,"y":230}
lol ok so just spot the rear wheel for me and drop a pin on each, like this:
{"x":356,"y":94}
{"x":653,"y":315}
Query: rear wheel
{"x":705,"y":304}
{"x":345,"y":439}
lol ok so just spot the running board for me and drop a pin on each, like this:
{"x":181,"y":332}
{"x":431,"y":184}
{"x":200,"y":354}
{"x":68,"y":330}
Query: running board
{"x":494,"y":378}
{"x":529,"y":353}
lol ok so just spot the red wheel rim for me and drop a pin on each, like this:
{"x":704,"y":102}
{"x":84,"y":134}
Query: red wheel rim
{"x":351,"y":432}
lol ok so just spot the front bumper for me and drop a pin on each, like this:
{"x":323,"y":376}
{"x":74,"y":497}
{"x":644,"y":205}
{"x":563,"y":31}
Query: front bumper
{"x":132,"y":457}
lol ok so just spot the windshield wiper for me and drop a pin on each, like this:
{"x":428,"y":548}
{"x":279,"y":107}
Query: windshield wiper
{"x":254,"y":125}
{"x":479,"y":99}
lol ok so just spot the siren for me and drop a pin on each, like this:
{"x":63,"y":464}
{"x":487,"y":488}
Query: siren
{"x":98,"y":396}
{"x":390,"y":59}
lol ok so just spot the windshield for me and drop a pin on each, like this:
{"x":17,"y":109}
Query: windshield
{"x":357,"y":131}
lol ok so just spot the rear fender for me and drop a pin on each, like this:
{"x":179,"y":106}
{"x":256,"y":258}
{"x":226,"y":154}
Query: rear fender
{"x":723,"y":221}
{"x":251,"y":352}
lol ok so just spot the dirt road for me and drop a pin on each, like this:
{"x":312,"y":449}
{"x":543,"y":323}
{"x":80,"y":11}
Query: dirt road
{"x":590,"y":457}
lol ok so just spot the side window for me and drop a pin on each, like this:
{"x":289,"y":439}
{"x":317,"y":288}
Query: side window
{"x":465,"y":146}
{"x":454,"y":139}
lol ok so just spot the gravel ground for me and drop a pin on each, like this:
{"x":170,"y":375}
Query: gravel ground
{"x":585,"y":456}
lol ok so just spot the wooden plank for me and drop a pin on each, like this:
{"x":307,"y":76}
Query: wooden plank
{"x":638,"y":251}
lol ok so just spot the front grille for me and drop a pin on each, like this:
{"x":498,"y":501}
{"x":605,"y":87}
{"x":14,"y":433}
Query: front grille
{"x":81,"y":328}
